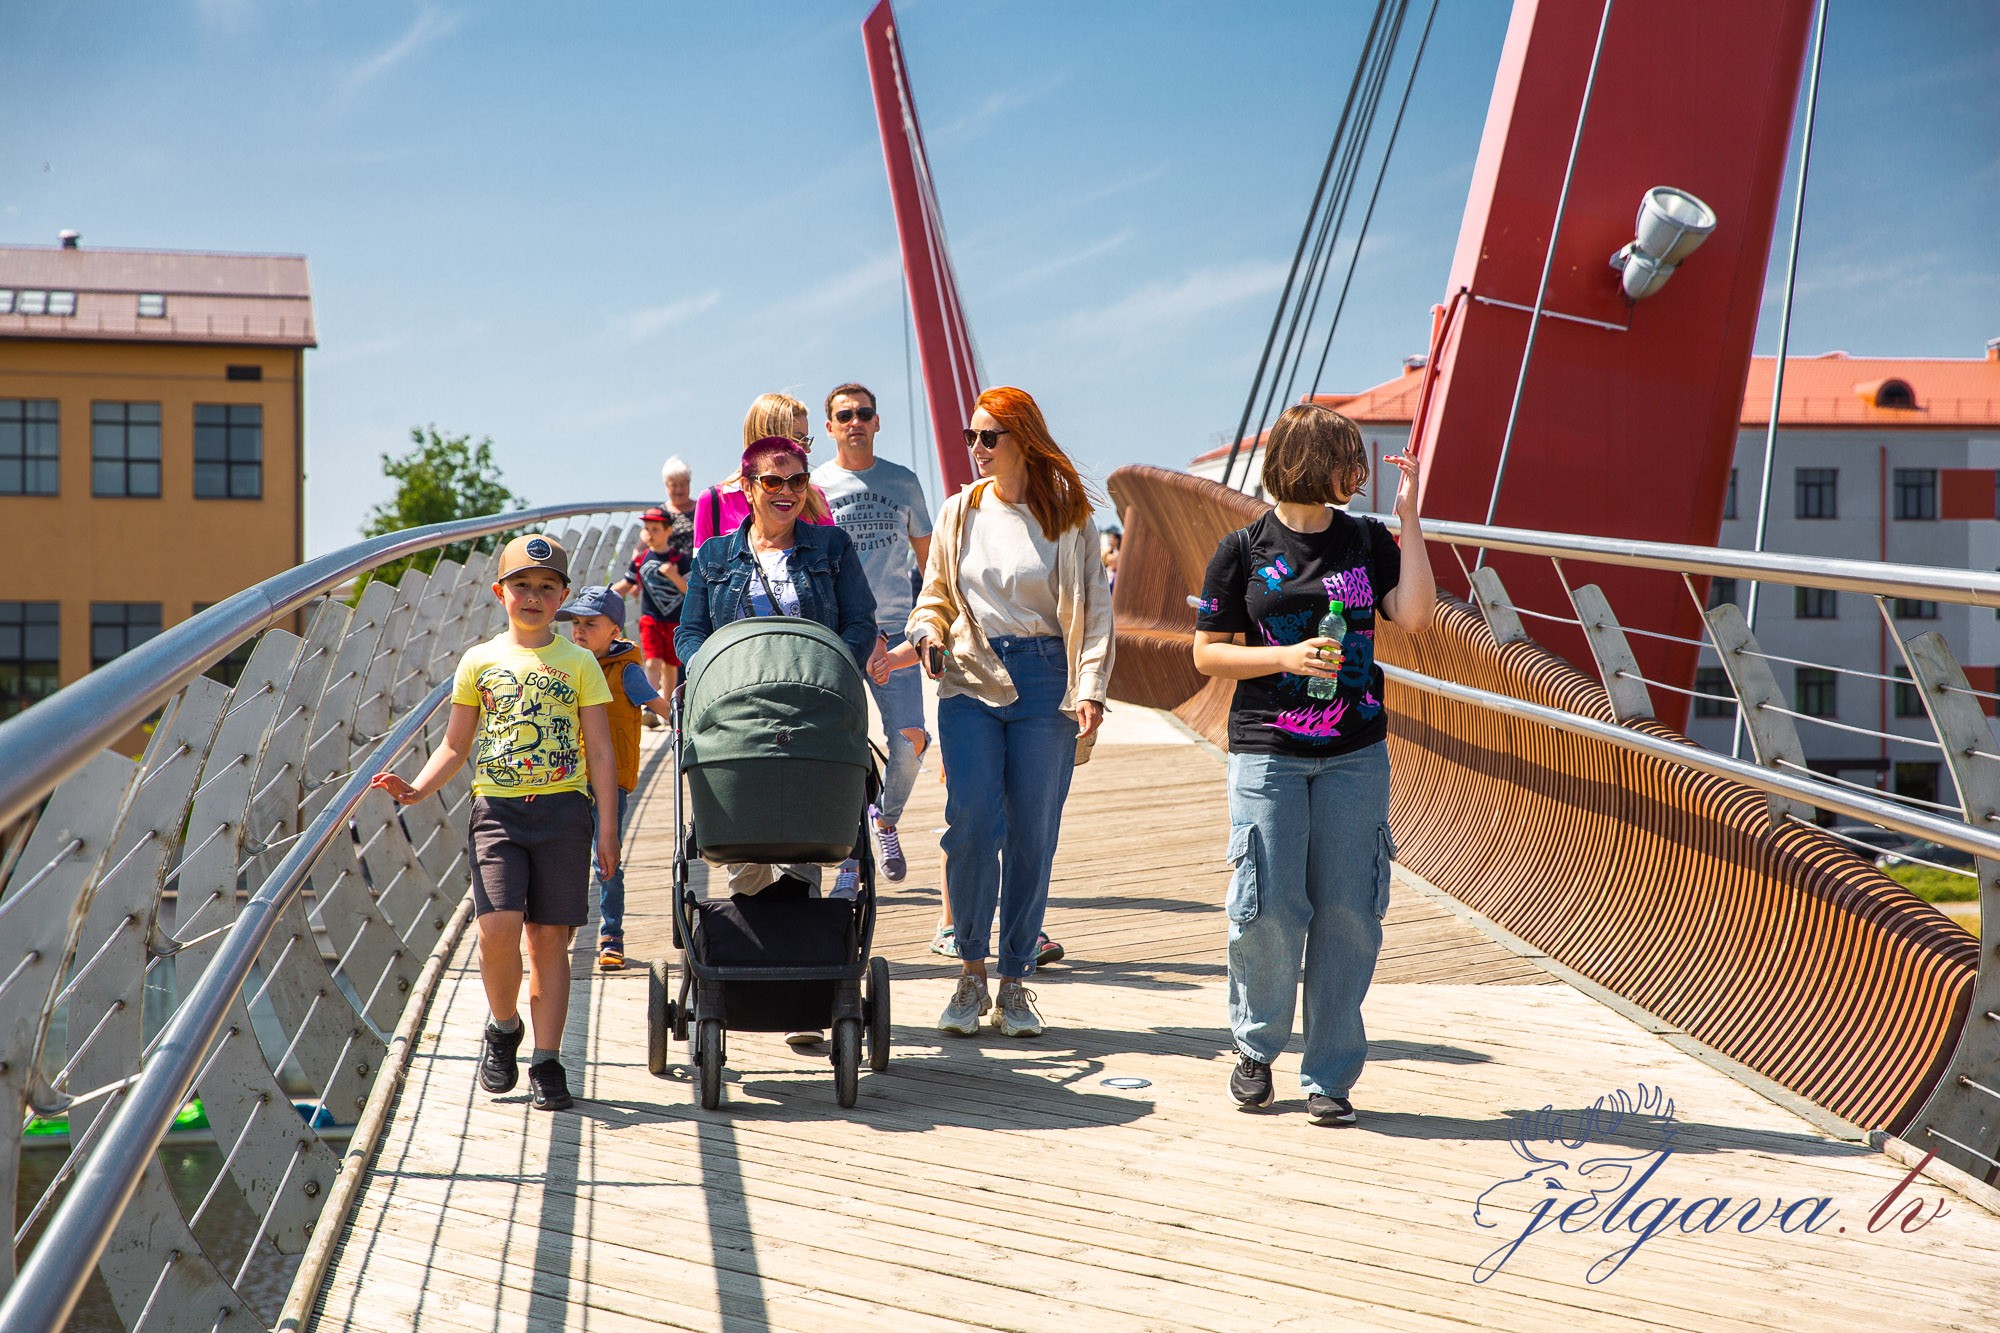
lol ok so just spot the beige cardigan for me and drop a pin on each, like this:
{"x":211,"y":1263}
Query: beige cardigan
{"x":1083,"y":608}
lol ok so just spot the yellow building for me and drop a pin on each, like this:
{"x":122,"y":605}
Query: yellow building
{"x":151,"y":445}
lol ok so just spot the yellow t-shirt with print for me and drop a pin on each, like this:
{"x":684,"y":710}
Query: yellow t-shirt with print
{"x":530,"y":738}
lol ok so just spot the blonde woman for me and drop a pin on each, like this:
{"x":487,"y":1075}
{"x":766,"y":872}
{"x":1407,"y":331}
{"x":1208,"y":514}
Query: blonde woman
{"x":723,"y":507}
{"x":1016,"y":597}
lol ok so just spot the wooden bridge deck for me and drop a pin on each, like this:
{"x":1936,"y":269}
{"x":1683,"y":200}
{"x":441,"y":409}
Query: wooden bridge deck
{"x":993,"y":1183}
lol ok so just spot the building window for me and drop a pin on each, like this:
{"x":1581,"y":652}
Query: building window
{"x":1721,"y":590}
{"x":228,"y":451}
{"x":31,"y":302}
{"x":1906,"y":608}
{"x":28,"y":446}
{"x":1908,"y":702}
{"x":118,"y":627}
{"x":125,"y":449}
{"x":1729,"y":500}
{"x":1815,"y":604}
{"x":1712,"y":681}
{"x":244,"y":373}
{"x":1817,"y":490}
{"x":62,"y":303}
{"x":6,"y":300}
{"x":152,"y":305}
{"x":1813,"y":689}
{"x":30,"y":653}
{"x":1916,"y":493}
{"x":1918,"y":779}
{"x":1895,"y":393}
{"x":230,"y":669}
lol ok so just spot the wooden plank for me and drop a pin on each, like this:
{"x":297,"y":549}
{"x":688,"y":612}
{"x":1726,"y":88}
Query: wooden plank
{"x":991,"y":1183}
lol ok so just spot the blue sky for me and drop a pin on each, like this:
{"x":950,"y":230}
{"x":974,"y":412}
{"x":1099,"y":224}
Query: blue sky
{"x":594,"y":233}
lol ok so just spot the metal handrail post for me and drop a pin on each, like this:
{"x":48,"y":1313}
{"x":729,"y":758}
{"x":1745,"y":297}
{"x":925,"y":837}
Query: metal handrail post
{"x":54,"y":1276}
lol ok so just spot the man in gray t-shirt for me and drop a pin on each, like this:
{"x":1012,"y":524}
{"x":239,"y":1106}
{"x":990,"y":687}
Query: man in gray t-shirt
{"x":881,"y":507}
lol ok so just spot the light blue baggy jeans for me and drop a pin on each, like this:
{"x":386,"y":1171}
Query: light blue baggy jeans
{"x":901,"y":703}
{"x":1310,"y":852}
{"x":1007,"y":773}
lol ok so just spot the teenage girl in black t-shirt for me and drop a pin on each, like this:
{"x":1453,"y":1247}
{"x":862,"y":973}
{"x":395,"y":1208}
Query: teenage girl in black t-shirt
{"x":1308,"y":770}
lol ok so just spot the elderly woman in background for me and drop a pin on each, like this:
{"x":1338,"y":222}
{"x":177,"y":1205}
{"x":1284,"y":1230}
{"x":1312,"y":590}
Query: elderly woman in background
{"x":725,"y":505}
{"x":1015,"y":596}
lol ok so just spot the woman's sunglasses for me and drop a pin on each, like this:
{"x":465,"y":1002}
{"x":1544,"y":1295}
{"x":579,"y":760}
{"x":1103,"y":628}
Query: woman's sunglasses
{"x":773,"y":483}
{"x":847,"y":414}
{"x":982,"y":439}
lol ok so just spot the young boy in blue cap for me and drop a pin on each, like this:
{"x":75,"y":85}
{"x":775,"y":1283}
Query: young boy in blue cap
{"x":596,"y":617}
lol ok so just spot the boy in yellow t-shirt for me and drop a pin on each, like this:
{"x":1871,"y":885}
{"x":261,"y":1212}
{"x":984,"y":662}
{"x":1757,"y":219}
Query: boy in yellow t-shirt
{"x":529,"y":709}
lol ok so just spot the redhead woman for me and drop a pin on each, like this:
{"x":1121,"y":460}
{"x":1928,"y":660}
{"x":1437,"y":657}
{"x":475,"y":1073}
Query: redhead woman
{"x":1015,"y":596}
{"x":1308,"y":759}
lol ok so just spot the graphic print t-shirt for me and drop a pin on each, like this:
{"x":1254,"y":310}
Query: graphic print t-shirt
{"x":1272,"y":586}
{"x":658,"y":597}
{"x":881,"y":509}
{"x":529,"y":742}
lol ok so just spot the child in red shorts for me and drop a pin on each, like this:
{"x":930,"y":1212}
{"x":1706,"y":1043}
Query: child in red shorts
{"x":658,"y":573}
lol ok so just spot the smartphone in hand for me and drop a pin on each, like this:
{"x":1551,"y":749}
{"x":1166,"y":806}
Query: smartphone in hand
{"x":934,"y":656}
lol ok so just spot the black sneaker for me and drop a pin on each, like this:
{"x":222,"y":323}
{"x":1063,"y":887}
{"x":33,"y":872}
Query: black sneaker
{"x":1323,"y":1109}
{"x":550,"y":1086}
{"x":1250,"y":1082}
{"x":498,"y":1069}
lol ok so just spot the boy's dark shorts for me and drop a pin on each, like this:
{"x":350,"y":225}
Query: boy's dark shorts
{"x":531,"y":854}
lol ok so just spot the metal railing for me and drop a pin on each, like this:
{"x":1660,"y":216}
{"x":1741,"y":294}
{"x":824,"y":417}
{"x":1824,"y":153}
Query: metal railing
{"x":1955,"y":1121}
{"x":242,"y":859}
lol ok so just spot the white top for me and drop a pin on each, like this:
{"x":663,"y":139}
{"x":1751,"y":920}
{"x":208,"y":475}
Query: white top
{"x":777,"y":566}
{"x":1007,"y":576}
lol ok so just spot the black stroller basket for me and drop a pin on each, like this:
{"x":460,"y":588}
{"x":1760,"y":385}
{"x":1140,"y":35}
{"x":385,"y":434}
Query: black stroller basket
{"x":770,"y":734}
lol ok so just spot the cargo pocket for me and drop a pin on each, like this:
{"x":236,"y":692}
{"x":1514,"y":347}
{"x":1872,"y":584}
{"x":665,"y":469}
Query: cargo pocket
{"x":1385,"y":858}
{"x":1245,"y":850}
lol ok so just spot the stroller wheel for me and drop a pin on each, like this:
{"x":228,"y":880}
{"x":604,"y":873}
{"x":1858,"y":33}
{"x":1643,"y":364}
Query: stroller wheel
{"x":708,"y":1062}
{"x":847,"y":1060}
{"x":658,"y":1023}
{"x":875,"y":1004}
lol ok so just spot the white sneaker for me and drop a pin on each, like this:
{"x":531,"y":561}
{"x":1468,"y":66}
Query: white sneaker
{"x":968,"y":1002}
{"x":1014,"y":1015}
{"x":804,"y":1037}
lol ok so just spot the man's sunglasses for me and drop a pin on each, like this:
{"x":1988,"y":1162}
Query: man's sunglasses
{"x":773,"y":483}
{"x":847,"y":414}
{"x":978,"y":439}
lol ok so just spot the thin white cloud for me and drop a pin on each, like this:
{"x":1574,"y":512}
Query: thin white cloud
{"x":430,"y":27}
{"x":640,"y":325}
{"x":992,"y":108}
{"x":1157,"y":306}
{"x":1037,"y":272}
{"x":839,"y":294}
{"x":226,"y":16}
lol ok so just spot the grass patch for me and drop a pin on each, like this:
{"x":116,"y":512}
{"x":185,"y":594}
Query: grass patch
{"x":1934,"y":886}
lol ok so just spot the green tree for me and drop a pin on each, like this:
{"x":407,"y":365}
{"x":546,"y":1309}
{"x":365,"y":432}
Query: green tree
{"x":444,"y":477}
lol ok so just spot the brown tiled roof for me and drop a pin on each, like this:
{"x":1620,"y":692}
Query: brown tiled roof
{"x":210,"y":298}
{"x":1832,"y":389}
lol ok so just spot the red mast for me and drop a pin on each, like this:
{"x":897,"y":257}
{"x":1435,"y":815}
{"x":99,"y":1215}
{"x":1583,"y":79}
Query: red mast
{"x":944,"y":340}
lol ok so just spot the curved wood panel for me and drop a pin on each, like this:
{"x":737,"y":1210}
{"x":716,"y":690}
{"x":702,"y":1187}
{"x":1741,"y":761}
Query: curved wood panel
{"x":1777,"y":947}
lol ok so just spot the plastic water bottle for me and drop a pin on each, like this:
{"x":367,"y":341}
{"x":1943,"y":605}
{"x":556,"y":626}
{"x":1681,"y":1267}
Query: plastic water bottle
{"x":1333,"y":625}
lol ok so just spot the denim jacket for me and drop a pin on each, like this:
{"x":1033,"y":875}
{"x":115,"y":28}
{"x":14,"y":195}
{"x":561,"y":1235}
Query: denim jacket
{"x":832,"y":588}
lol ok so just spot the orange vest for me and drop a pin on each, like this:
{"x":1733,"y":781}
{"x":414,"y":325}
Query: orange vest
{"x":624,"y":714}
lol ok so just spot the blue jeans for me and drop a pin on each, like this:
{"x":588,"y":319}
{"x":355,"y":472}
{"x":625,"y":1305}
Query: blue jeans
{"x":1310,"y":851}
{"x":901,"y":703}
{"x":1007,"y":773}
{"x":610,"y":892}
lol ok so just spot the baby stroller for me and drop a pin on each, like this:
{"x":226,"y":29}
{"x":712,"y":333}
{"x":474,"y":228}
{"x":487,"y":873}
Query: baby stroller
{"x":771,"y":734}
